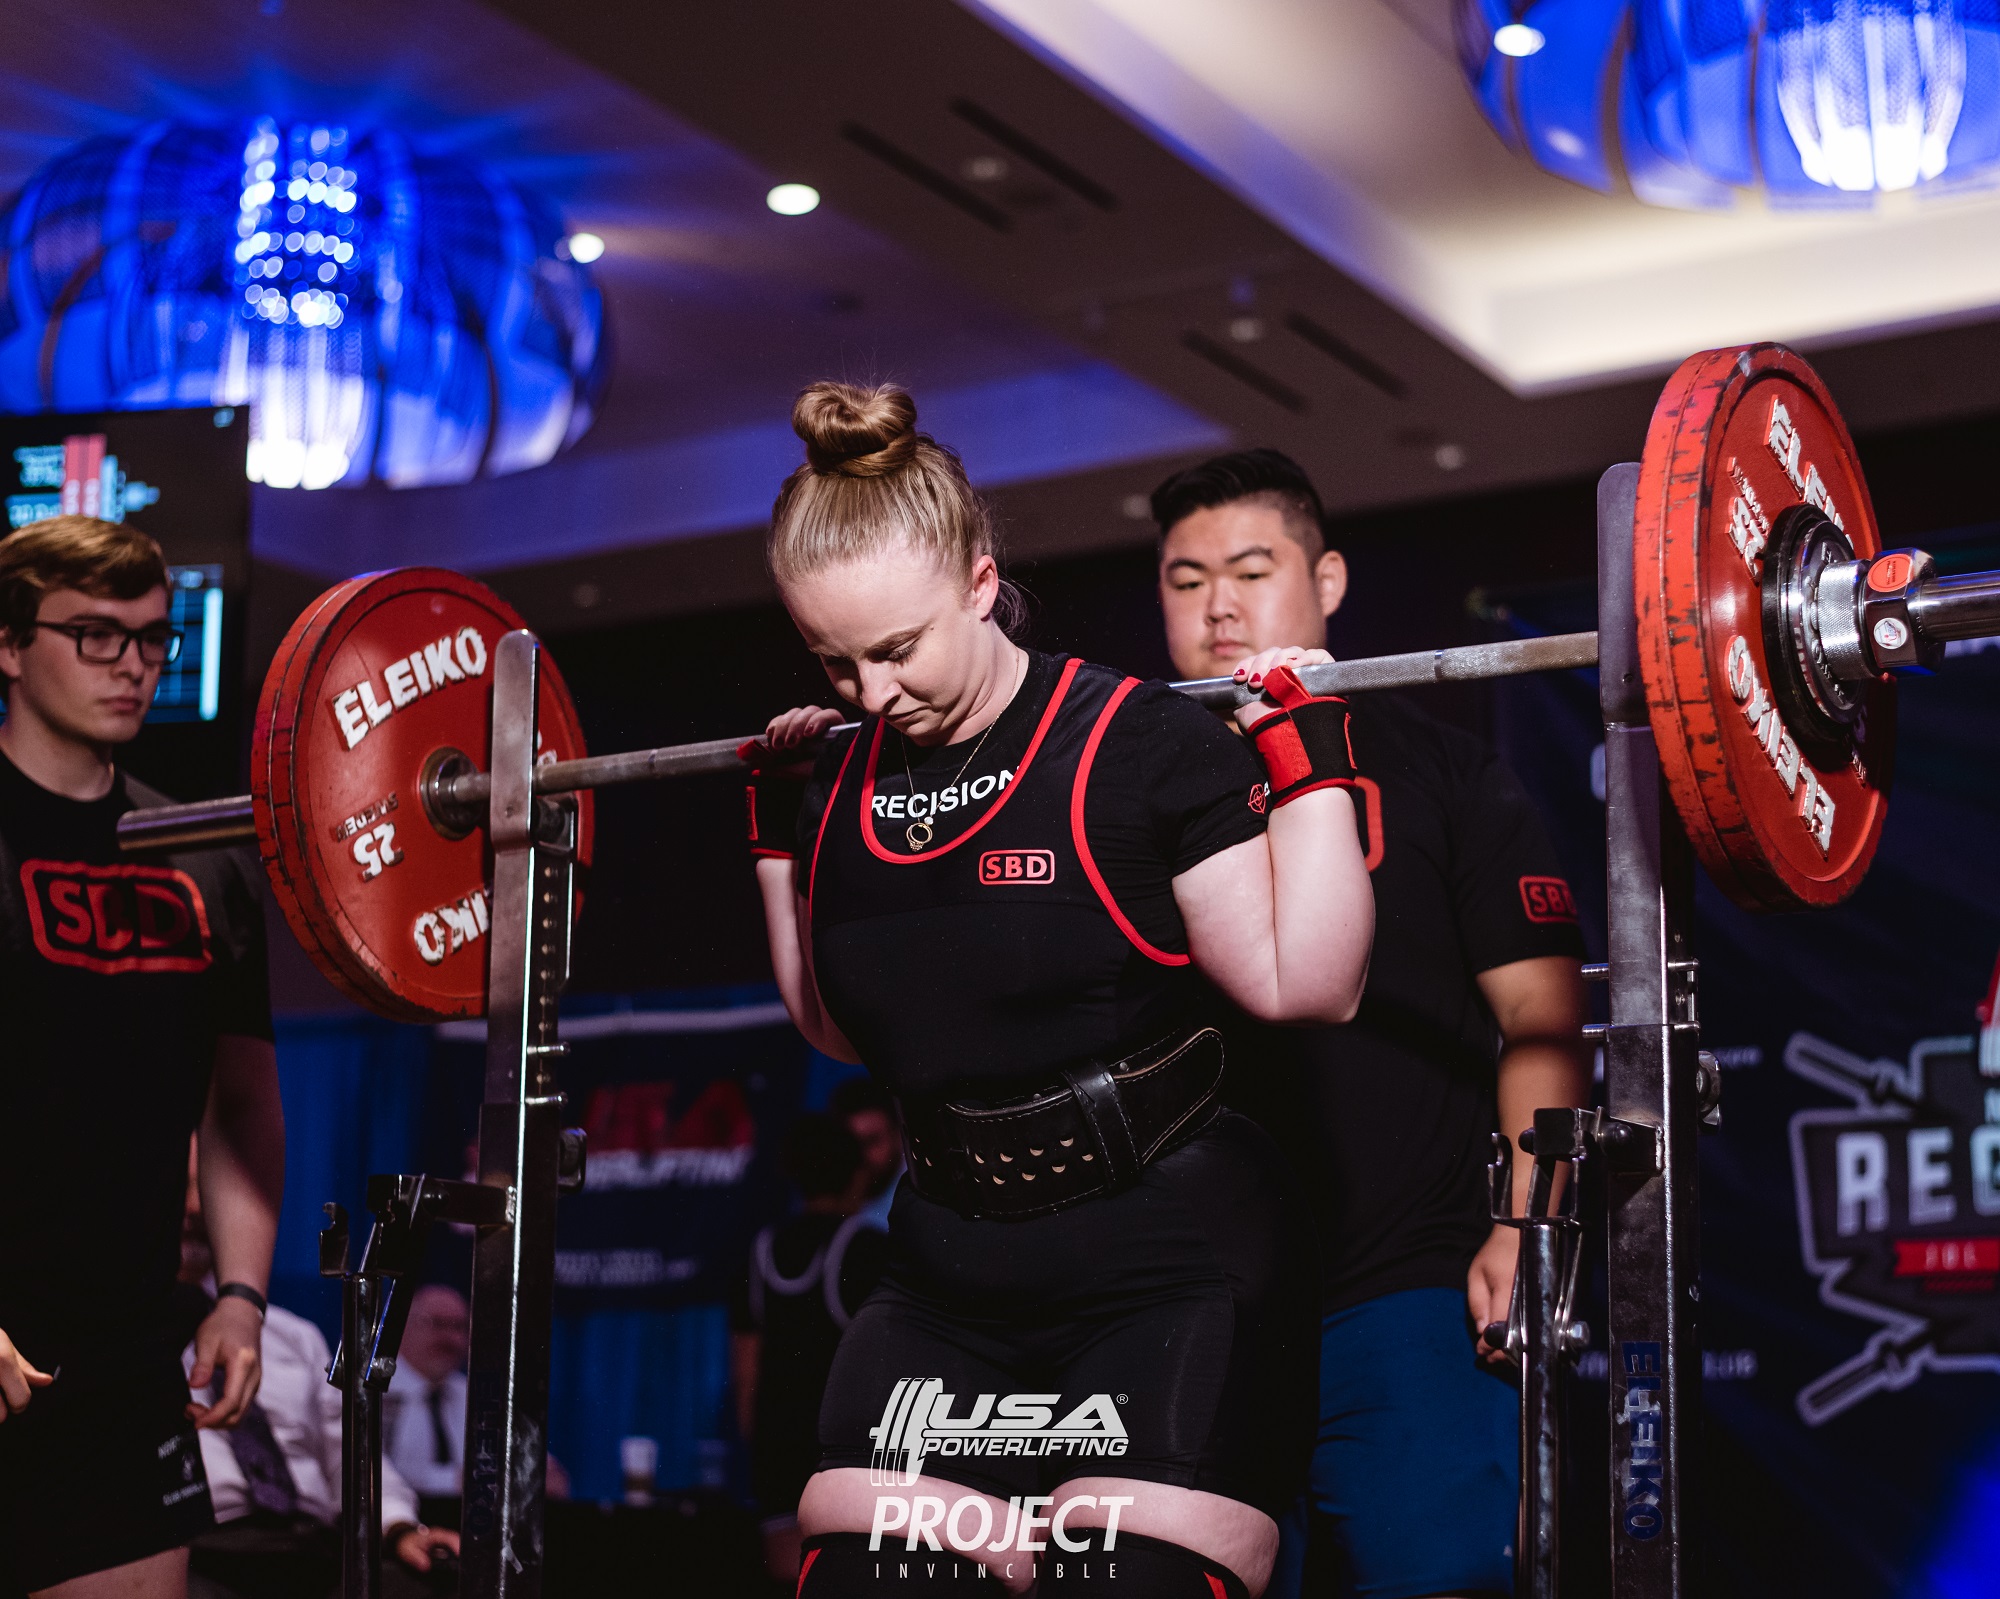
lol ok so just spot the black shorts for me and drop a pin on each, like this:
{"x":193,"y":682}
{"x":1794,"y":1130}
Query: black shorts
{"x":1168,"y":1333}
{"x":102,"y":1468}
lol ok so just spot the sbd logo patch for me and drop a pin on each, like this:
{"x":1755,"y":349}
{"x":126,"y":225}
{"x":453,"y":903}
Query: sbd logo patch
{"x":1025,"y":866}
{"x":113,"y":919}
{"x":1547,"y":899}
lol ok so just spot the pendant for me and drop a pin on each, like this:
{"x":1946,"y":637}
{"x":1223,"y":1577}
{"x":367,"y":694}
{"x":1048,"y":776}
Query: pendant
{"x":919,"y":834}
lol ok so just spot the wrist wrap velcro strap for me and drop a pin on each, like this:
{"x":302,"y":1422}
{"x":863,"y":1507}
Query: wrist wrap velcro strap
{"x":1306,"y":744}
{"x":772,"y":801}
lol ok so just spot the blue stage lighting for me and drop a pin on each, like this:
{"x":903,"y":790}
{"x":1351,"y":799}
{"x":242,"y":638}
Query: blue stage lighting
{"x":386,"y":315}
{"x":1823,"y":102}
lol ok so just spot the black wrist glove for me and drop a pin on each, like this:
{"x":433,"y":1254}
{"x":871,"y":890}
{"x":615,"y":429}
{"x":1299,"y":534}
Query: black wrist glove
{"x":773,"y":800}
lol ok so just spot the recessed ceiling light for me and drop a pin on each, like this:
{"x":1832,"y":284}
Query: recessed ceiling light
{"x":792,"y":199}
{"x":585,"y":247}
{"x":1518,"y":39}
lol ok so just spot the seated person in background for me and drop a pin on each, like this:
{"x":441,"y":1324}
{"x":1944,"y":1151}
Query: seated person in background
{"x":423,"y":1419}
{"x":275,"y":1479}
{"x":870,"y":1114}
{"x":807,"y":1277}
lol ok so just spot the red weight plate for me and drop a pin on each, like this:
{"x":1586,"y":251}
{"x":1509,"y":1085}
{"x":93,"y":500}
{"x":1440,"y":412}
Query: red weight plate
{"x":374,"y":677}
{"x":1738,"y":437}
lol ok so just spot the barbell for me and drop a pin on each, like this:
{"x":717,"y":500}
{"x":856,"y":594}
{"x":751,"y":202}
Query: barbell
{"x":1770,"y":622}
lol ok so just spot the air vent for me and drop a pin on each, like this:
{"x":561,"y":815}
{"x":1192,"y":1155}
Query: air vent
{"x":1277,"y":392}
{"x":1327,"y":342}
{"x":921,"y":172}
{"x":1012,"y":138}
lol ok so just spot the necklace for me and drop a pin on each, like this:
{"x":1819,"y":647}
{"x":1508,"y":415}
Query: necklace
{"x":920,"y":833}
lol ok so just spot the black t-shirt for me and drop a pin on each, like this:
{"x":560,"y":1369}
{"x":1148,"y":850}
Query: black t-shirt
{"x":116,"y":978}
{"x":1402,"y":1099}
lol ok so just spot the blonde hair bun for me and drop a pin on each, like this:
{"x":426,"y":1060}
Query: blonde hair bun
{"x":857,"y":432}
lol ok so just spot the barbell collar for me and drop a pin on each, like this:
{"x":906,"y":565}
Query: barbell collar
{"x":1933,"y":610}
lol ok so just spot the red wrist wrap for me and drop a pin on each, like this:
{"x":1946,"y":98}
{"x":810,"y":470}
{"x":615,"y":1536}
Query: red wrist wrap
{"x":1307,"y":744}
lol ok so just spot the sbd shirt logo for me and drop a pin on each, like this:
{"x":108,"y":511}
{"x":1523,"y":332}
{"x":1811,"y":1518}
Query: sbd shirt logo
{"x":112,"y":919}
{"x":1547,"y":899}
{"x":1017,"y":866}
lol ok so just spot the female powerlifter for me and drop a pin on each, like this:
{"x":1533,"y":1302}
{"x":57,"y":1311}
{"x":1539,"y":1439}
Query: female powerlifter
{"x":1093,"y":1360}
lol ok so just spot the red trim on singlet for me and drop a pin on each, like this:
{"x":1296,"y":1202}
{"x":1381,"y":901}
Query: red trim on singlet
{"x":1020,"y":772}
{"x":805,"y":1570}
{"x":1151,"y":952}
{"x":812,"y":872}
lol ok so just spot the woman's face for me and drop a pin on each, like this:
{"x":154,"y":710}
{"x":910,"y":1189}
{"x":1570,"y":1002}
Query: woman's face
{"x":900,"y":636}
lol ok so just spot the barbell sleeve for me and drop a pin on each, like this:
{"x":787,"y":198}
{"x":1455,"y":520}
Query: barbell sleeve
{"x":203,"y":824}
{"x":1962,"y":607}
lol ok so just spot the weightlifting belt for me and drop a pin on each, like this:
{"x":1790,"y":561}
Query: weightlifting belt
{"x":1089,"y":1133}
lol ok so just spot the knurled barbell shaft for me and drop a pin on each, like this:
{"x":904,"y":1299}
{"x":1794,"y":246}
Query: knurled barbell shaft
{"x":230,"y":821}
{"x":1469,"y":664}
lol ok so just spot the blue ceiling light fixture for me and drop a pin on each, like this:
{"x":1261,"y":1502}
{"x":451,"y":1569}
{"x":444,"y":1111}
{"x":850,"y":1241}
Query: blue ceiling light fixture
{"x":386,"y":315}
{"x":1822,"y":102}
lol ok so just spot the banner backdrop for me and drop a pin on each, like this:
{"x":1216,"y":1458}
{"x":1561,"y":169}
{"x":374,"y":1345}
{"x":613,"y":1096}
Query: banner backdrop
{"x":1850,"y":1285}
{"x":685,"y":1106}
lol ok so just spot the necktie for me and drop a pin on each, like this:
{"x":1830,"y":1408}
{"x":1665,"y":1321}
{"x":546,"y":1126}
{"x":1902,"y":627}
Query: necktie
{"x":266,"y":1477}
{"x":440,"y":1437}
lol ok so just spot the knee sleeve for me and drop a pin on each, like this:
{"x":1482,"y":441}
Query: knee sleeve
{"x":1136,"y":1567}
{"x":840,"y":1565}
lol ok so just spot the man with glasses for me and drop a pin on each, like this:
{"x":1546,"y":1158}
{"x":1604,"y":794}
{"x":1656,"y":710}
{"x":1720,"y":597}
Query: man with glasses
{"x":137,"y":1011}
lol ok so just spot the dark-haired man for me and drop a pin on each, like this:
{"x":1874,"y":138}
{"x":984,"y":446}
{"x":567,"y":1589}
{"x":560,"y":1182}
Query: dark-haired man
{"x":1470,"y":1020}
{"x":137,"y":1011}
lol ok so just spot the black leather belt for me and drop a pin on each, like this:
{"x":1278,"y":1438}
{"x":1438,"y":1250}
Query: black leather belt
{"x":1088,"y":1134}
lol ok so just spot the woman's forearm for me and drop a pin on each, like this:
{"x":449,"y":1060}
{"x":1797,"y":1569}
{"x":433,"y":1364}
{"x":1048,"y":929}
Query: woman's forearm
{"x":1322,"y":909}
{"x":791,"y":963}
{"x":1282,"y":923}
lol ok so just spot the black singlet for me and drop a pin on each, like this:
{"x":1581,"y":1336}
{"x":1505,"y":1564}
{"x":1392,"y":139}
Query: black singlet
{"x":1038,"y":929}
{"x":985,"y":963}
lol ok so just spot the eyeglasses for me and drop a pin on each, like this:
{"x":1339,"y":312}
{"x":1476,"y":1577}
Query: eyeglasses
{"x":104,"y":643}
